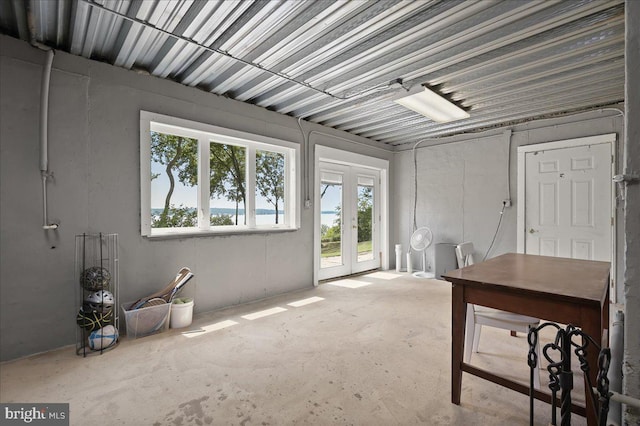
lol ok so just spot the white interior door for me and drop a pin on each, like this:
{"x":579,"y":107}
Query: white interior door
{"x":349,"y":208}
{"x":568,"y":202}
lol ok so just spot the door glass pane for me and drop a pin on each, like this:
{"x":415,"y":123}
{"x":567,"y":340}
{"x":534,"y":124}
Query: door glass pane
{"x":227,"y":187}
{"x":174,"y":181}
{"x":269,"y":188}
{"x":365,"y":219}
{"x":331,"y":224}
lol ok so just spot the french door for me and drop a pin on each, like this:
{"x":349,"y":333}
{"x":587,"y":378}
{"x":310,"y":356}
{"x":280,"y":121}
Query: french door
{"x":350,"y":212}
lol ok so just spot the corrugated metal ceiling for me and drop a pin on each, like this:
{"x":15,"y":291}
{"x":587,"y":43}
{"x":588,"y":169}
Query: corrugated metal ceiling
{"x":334,"y":62}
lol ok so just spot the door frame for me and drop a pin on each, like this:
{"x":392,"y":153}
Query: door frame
{"x":333,"y":155}
{"x":609,"y":138}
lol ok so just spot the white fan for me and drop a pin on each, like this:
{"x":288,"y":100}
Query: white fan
{"x":420,"y":240}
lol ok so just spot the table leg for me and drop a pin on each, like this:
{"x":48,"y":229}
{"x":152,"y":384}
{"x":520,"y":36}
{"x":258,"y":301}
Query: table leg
{"x":592,"y":326}
{"x":566,"y":380}
{"x":458,"y":314}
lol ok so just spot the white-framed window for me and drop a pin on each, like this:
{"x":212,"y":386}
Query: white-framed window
{"x":197,"y":178}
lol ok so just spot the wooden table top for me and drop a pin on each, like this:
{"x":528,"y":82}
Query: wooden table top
{"x":579,"y":281}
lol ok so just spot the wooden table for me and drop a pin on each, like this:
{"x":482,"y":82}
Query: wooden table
{"x":566,"y":291}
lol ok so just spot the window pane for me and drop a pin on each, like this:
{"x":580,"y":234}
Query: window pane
{"x":174,"y":178}
{"x":227,"y":184}
{"x":269,"y":188}
{"x":192,"y":167}
{"x":365,"y":221}
{"x":331,"y":226}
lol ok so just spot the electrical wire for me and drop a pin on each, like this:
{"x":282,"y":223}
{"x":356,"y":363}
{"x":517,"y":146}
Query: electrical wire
{"x":496,"y":234}
{"x":308,"y":155}
{"x":510,"y":138}
{"x":441,"y":142}
{"x":415,"y":186}
{"x":477,"y":134}
{"x":305,"y":177}
{"x":415,"y":189}
{"x":146,"y":24}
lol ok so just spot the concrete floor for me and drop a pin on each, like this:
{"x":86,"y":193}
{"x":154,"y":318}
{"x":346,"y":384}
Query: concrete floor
{"x":371,"y":350}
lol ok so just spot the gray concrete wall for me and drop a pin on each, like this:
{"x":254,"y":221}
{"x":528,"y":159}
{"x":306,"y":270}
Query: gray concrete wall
{"x":94,"y":155}
{"x":631,"y":366}
{"x":462,"y":181}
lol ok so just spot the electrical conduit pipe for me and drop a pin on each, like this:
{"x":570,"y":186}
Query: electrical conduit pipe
{"x":44,"y":127}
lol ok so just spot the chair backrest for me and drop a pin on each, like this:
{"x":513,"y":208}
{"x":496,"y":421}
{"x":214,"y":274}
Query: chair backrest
{"x":464,"y":253}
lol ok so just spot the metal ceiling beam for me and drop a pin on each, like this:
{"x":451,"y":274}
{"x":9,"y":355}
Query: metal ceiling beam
{"x":96,"y":20}
{"x":332,"y":62}
{"x":505,"y":117}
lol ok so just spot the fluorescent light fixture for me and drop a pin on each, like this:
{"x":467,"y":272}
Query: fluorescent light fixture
{"x":430,"y":104}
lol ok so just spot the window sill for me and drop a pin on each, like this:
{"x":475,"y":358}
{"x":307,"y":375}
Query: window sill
{"x":174,"y":234}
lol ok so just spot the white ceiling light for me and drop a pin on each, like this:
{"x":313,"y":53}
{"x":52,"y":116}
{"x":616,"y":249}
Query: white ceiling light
{"x":430,"y":104}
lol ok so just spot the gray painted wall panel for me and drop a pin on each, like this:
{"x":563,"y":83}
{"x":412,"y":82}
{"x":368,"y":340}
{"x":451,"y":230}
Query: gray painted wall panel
{"x":461,"y":184}
{"x":37,"y":267}
{"x":94,"y":154}
{"x":485,"y":187}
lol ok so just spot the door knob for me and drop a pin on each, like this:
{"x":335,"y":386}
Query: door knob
{"x":531,"y":231}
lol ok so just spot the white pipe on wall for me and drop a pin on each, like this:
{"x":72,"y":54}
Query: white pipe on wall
{"x":616,"y":345}
{"x":44,"y":110}
{"x":44,"y":143}
{"x":624,"y":399}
